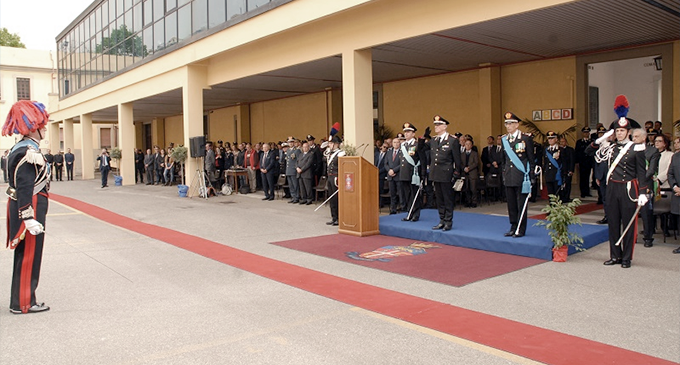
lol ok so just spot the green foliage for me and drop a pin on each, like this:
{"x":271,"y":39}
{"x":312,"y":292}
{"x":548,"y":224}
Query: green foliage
{"x":559,"y":217}
{"x":116,"y":153}
{"x":350,"y":149}
{"x":8,"y":39}
{"x":382,"y":133}
{"x":179,"y":154}
{"x":540,"y":137}
{"x":122,"y":43}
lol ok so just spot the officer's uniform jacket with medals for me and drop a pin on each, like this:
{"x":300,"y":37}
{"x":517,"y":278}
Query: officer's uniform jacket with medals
{"x":29,"y":175}
{"x":550,"y":170}
{"x":523,"y":145}
{"x":445,"y":158}
{"x":412,"y":173}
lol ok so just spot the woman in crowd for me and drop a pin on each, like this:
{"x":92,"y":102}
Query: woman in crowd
{"x":169,"y":168}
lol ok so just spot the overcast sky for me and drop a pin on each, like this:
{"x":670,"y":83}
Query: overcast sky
{"x":38,"y":22}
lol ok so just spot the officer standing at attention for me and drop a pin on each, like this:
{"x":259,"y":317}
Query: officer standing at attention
{"x":29,"y":175}
{"x":333,"y":167}
{"x":626,"y":165}
{"x":518,"y":170}
{"x":584,"y":161}
{"x":552,"y":165}
{"x":445,"y":166}
{"x":410,"y":172}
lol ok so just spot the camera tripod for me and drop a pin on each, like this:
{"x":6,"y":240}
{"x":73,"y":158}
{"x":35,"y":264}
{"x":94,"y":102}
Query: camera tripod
{"x":199,"y":186}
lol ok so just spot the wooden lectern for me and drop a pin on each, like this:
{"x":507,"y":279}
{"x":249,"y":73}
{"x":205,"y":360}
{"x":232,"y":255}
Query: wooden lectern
{"x":358,"y":202}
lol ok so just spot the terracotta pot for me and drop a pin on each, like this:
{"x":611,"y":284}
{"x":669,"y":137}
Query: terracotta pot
{"x":560,"y":254}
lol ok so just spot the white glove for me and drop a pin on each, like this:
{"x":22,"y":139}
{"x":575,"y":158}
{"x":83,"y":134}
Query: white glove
{"x":642,"y":200}
{"x":604,"y":137}
{"x":34,"y":227}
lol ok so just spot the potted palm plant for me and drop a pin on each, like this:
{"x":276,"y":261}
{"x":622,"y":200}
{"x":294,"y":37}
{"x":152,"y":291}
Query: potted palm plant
{"x":559,"y":217}
{"x":116,"y":155}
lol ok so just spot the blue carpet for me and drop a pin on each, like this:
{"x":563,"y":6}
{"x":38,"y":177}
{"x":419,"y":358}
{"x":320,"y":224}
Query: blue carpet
{"x":485,"y":232}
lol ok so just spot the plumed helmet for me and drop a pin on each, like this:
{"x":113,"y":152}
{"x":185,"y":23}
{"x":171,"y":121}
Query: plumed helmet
{"x":26,"y":116}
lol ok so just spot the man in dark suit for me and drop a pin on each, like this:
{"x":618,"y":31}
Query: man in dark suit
{"x":567,"y":170}
{"x":517,"y":147}
{"x":49,"y":158}
{"x":411,"y":172}
{"x":646,"y":184}
{"x":379,"y":161}
{"x":158,"y":165}
{"x":494,"y":177}
{"x":470,"y":160}
{"x":486,"y":154}
{"x":269,"y":168}
{"x":305,"y":169}
{"x":139,"y":166}
{"x":104,"y":166}
{"x":585,"y":162}
{"x":59,"y":166}
{"x":445,"y":166}
{"x":392,"y":165}
{"x":674,"y":182}
{"x":69,"y":159}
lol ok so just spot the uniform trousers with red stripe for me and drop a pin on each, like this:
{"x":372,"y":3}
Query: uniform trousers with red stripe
{"x":27,"y":256}
{"x":620,"y":211}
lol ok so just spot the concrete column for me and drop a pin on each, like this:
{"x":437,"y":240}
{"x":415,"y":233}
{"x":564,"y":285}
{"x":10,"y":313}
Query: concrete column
{"x":53,"y":136}
{"x":68,"y":134}
{"x":126,"y":143}
{"x":192,"y":104}
{"x":87,"y":160}
{"x":490,"y":113}
{"x":357,"y":93}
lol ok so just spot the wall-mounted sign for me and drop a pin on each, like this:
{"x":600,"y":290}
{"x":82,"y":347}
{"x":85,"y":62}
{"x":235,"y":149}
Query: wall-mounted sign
{"x":552,"y":114}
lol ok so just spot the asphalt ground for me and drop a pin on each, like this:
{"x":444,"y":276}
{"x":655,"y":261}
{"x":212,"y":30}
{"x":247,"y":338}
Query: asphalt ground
{"x":121,"y":297}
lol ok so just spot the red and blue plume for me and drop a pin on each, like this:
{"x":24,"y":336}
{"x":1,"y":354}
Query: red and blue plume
{"x":621,"y":106}
{"x":335,"y":128}
{"x":25,"y":117}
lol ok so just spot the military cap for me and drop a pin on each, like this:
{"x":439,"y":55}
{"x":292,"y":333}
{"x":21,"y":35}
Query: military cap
{"x":551,"y":134}
{"x":585,"y":129}
{"x":400,"y":136}
{"x":336,"y":139}
{"x":511,"y":118}
{"x":601,"y":129}
{"x":439,"y":120}
{"x":409,"y":127}
{"x":310,"y":137}
{"x":652,"y":132}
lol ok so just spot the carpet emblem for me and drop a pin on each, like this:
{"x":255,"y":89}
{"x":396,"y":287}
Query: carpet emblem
{"x":387,"y":253}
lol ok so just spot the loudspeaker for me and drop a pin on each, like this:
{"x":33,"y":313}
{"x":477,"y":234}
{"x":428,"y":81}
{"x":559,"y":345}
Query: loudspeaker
{"x":197,"y":146}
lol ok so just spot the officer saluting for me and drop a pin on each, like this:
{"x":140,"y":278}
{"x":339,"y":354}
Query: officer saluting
{"x":333,"y":166}
{"x":445,"y":165}
{"x":411,"y":172}
{"x":518,"y":171}
{"x":627,"y":164}
{"x":29,"y":175}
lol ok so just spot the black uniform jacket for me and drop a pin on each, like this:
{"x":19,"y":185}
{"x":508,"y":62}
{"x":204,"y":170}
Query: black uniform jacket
{"x":417,"y":150}
{"x":550,"y":170}
{"x":524,"y":148}
{"x":445,"y":161}
{"x":631,"y":166}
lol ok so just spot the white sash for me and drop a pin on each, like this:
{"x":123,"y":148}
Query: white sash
{"x":618,"y":158}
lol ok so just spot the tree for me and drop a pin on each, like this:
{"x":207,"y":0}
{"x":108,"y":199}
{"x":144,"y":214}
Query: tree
{"x":122,"y":43}
{"x":8,"y":39}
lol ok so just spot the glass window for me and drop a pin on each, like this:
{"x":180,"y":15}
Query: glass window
{"x":86,"y":29}
{"x":120,"y":9}
{"x":66,"y":87}
{"x":199,"y":12}
{"x":158,"y":10}
{"x":254,"y":4}
{"x":23,"y":88}
{"x":147,"y":39}
{"x":171,"y":28}
{"x":105,"y":13}
{"x":184,"y":23}
{"x":98,"y":19}
{"x":159,"y":35}
{"x":128,"y":20}
{"x":235,"y":8}
{"x":148,"y":14}
{"x":128,"y":5}
{"x":183,"y":2}
{"x":170,"y":4}
{"x":112,"y":9}
{"x":216,"y":12}
{"x":137,"y":22}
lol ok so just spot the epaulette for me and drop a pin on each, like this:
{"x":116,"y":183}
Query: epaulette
{"x":33,"y":156}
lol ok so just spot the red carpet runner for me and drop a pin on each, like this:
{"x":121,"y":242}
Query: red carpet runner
{"x":532,"y":342}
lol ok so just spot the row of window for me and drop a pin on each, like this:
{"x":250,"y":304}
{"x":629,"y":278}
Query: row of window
{"x":23,"y":88}
{"x":119,"y":33}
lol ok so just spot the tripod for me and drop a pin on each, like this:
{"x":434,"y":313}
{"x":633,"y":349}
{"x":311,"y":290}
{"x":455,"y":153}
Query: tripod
{"x":200,"y":176}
